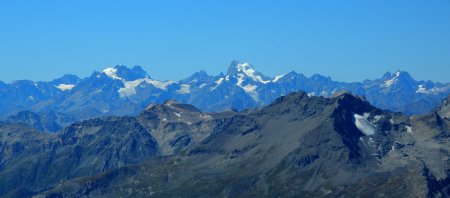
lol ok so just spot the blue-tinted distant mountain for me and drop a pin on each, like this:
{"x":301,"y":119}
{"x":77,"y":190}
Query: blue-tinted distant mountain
{"x":126,"y":91}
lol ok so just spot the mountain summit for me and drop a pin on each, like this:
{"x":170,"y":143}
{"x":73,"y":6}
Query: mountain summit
{"x":298,"y":145}
{"x":122,"y":72}
{"x":246,"y":70}
{"x":121,"y":90}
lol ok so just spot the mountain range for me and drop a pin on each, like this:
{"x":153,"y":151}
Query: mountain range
{"x":299,"y":145}
{"x":126,"y":91}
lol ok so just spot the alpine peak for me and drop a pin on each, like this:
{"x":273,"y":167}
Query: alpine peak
{"x":240,"y":70}
{"x":121,"y":72}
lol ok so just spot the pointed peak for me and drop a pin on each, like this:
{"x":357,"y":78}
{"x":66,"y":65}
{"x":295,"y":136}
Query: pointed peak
{"x":121,"y":72}
{"x":246,"y":70}
{"x":398,"y":77}
{"x":198,"y":77}
{"x":345,"y":93}
{"x":238,"y":67}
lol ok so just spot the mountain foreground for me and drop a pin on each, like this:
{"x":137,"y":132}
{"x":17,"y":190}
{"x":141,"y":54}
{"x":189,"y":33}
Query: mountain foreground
{"x":299,"y":145}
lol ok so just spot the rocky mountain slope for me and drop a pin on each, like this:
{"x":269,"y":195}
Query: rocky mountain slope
{"x":298,"y":145}
{"x":126,"y":91}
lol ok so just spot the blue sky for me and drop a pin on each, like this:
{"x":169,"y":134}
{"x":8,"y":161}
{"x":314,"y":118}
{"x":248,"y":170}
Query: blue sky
{"x":347,"y":40}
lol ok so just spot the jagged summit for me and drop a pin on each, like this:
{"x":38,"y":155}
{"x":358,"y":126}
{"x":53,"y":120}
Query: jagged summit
{"x":245,"y":70}
{"x":124,"y":73}
{"x":399,"y":78}
{"x":198,"y":77}
{"x":121,"y":90}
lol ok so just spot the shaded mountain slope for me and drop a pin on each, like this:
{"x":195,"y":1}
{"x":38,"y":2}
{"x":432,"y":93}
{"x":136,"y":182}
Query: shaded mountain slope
{"x":298,"y":145}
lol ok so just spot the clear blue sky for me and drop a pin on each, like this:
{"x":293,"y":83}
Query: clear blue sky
{"x":347,"y":40}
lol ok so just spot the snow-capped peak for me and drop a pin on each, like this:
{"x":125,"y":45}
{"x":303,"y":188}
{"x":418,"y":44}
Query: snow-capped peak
{"x":112,"y":73}
{"x":399,"y":76}
{"x":238,"y":69}
{"x":124,"y":73}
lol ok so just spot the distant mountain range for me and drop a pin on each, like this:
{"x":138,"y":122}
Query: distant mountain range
{"x":126,"y":91}
{"x":299,"y":145}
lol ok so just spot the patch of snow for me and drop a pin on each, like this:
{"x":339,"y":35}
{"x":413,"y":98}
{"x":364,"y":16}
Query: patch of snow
{"x":240,"y":79}
{"x":202,"y":85}
{"x":31,"y":97}
{"x":391,"y":81}
{"x":377,"y":118}
{"x":250,"y":72}
{"x":277,"y":78}
{"x":434,"y":90}
{"x":311,"y":94}
{"x":177,"y":114}
{"x":65,"y":87}
{"x":129,"y":88}
{"x":251,"y":90}
{"x":159,"y":84}
{"x":409,"y":129}
{"x":421,"y":89}
{"x":206,"y":116}
{"x":363,"y":124}
{"x":185,"y":89}
{"x":218,"y":82}
{"x":112,"y":73}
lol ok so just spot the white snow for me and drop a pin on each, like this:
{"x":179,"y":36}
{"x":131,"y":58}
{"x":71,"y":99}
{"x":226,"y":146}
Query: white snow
{"x":434,"y":90}
{"x":65,"y":87}
{"x":177,"y":114}
{"x":251,"y":90}
{"x":277,"y":78}
{"x":31,"y":97}
{"x":391,"y":81}
{"x":240,"y":79}
{"x":377,"y":118}
{"x":218,"y":82}
{"x":250,"y":72}
{"x":409,"y":129}
{"x":363,"y":124}
{"x":112,"y":73}
{"x":202,"y":85}
{"x":421,"y":89}
{"x":185,"y":89}
{"x":129,"y":88}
